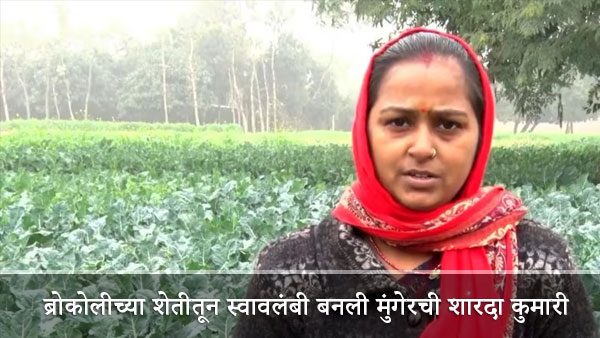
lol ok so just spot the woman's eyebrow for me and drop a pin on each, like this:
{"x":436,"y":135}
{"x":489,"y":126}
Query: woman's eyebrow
{"x":410,"y":111}
{"x":450,"y":112}
{"x":397,"y":109}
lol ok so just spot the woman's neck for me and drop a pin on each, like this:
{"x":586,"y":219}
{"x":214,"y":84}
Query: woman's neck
{"x":397,"y":258}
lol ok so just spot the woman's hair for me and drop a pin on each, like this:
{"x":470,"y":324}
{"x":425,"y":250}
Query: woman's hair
{"x":424,"y":43}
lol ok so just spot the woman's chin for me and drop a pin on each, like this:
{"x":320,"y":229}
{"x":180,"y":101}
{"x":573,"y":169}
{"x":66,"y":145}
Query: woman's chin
{"x":420,"y":203}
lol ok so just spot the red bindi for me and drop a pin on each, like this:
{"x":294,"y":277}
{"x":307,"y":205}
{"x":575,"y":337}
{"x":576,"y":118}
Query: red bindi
{"x":423,"y":110}
{"x":426,"y":58}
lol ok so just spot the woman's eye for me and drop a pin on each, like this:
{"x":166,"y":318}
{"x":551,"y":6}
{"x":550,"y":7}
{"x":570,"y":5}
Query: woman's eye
{"x":399,"y":123}
{"x":449,"y":125}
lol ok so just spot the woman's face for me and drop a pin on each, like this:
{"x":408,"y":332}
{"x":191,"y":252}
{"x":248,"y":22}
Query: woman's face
{"x":422,"y":105}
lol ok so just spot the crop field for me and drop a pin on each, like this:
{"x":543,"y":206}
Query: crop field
{"x":143,"y":197}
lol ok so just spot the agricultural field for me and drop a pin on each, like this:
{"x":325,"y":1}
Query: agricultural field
{"x":99,"y":196}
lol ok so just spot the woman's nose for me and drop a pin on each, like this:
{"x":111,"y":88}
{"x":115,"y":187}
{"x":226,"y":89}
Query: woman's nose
{"x":422,"y":146}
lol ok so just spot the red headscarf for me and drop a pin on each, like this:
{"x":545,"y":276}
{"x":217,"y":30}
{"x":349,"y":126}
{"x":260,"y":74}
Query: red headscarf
{"x":475,"y":231}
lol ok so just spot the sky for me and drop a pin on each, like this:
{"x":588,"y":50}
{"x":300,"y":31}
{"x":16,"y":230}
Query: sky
{"x":346,"y":50}
{"x":139,"y":18}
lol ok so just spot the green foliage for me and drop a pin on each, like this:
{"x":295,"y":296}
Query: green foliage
{"x":77,"y":200}
{"x":158,"y":154}
{"x":546,"y":165}
{"x":186,"y":221}
{"x":183,"y":221}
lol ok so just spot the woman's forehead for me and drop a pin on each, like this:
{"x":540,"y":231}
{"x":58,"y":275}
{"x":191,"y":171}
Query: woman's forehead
{"x":425,"y":62}
{"x":418,"y":87}
{"x":438,"y":77}
{"x":426,"y":58}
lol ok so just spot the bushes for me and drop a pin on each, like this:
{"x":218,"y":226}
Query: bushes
{"x":542,"y":166}
{"x":545,"y":165}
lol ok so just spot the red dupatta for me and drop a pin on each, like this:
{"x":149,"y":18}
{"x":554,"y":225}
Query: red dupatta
{"x":474,"y":232}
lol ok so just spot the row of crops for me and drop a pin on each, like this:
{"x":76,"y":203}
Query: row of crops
{"x":80,"y":199}
{"x":77,"y":152}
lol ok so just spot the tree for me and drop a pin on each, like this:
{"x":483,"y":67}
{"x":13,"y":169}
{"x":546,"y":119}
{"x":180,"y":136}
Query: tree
{"x":21,"y":71}
{"x":593,"y":101}
{"x":62,"y":15}
{"x":531,"y":47}
{"x":139,"y":92}
{"x":3,"y":89}
{"x":192,"y":71}
{"x":55,"y":96}
{"x":570,"y":103}
{"x":63,"y":72}
{"x":274,"y":83}
{"x":214,"y":65}
{"x":89,"y":86}
{"x":164,"y":78}
{"x":267,"y":101}
{"x":258,"y":96}
{"x":47,"y":77}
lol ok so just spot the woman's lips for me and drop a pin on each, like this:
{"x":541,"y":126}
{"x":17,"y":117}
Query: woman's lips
{"x":420,"y":182}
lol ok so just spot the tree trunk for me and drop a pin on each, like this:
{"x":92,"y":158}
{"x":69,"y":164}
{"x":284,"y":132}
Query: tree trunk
{"x":527,"y":124}
{"x":241,"y":121}
{"x":266,"y":94}
{"x":274,"y":86}
{"x":239,"y":98}
{"x":244,"y":122}
{"x":89,"y":89}
{"x":517,"y":121}
{"x":252,"y":114}
{"x":2,"y":89}
{"x":68,"y":87}
{"x":25,"y":94}
{"x":55,"y":95}
{"x":236,"y":100}
{"x":164,"y":79}
{"x":535,"y":124}
{"x":193,"y":83}
{"x":47,"y":95}
{"x":231,"y":98}
{"x":560,"y":111}
{"x":260,"y":111}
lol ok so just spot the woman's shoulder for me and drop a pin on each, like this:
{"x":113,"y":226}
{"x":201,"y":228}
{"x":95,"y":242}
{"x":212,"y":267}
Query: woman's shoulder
{"x":544,"y":260}
{"x":324,"y":245}
{"x":291,"y":251}
{"x":541,"y":248}
{"x":287,"y":265}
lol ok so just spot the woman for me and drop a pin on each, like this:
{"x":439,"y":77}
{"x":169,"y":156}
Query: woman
{"x":421,"y":140}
